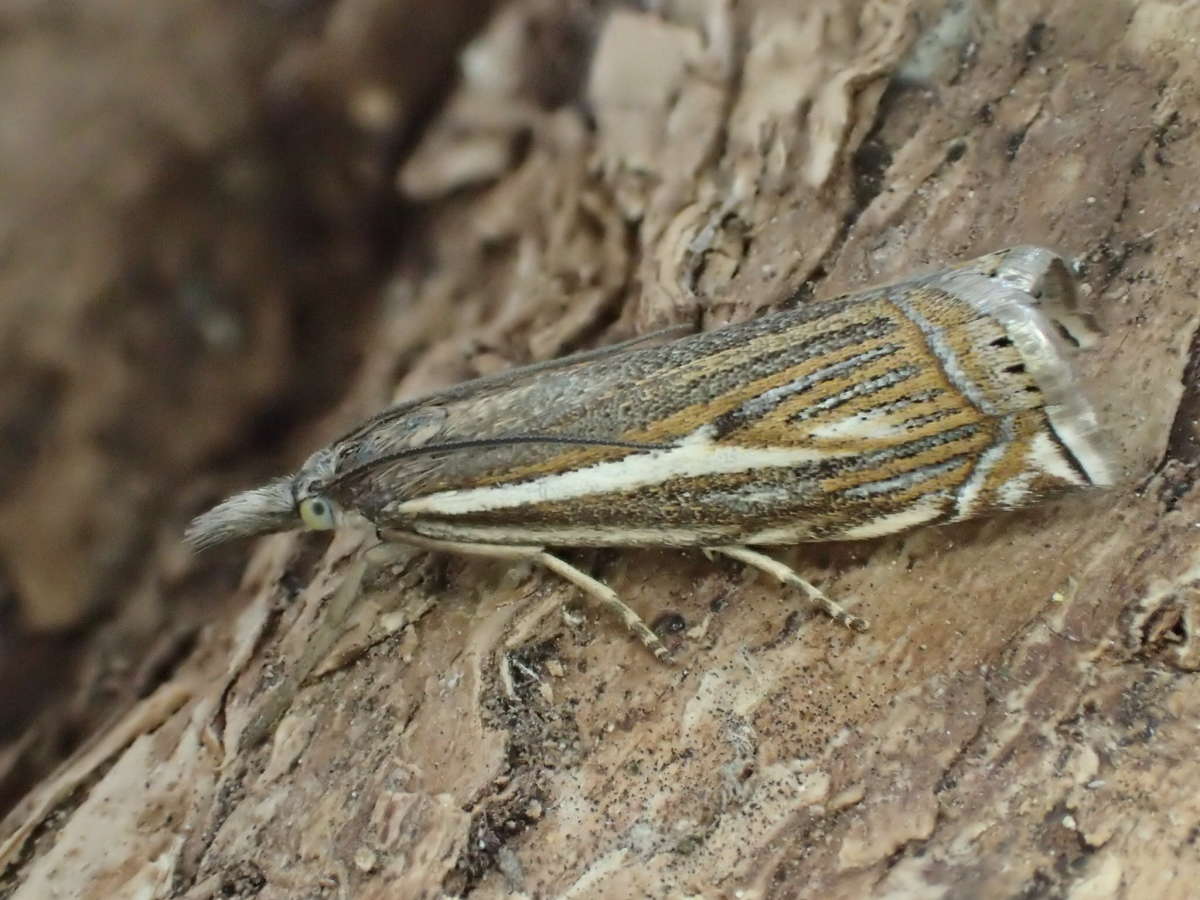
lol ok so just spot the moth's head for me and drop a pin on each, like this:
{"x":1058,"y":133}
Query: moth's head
{"x":294,"y":501}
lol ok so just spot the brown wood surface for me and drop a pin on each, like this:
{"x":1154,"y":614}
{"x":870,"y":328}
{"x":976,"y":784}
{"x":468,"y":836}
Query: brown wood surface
{"x":1020,"y":721}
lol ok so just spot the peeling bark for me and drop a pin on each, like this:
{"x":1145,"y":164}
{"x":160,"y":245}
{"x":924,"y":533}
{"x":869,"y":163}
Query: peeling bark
{"x":1019,"y":719}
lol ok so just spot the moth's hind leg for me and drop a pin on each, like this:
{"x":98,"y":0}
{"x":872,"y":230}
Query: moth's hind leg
{"x":589,"y":585}
{"x":789,"y":576}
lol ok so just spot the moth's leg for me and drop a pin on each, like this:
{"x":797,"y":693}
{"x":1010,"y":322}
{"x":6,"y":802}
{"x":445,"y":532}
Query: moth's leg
{"x":589,"y":585}
{"x":788,"y":575}
{"x":270,"y":707}
{"x":608,"y":597}
{"x":322,"y":640}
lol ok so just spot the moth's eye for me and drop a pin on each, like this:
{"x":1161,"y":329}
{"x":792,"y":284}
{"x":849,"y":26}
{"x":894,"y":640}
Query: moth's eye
{"x":318,"y":513}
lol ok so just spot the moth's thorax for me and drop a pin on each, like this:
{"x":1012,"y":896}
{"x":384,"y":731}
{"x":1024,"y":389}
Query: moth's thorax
{"x":314,"y":477}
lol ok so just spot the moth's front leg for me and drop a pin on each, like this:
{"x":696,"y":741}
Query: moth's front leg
{"x":589,"y":585}
{"x":788,"y":575}
{"x":275,"y":702}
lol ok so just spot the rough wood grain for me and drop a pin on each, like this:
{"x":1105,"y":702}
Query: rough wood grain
{"x":1020,"y":720}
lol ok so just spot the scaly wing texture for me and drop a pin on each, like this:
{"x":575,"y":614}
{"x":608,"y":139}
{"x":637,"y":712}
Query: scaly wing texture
{"x":942,"y":397}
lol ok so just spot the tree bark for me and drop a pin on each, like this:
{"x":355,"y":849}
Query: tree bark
{"x":1019,"y":721}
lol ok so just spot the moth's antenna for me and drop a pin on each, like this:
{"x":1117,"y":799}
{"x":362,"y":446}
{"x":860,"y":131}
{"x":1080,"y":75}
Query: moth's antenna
{"x":478,"y":443}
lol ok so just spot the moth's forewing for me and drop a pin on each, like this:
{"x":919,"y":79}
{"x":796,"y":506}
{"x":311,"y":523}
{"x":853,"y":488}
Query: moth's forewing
{"x":942,"y":397}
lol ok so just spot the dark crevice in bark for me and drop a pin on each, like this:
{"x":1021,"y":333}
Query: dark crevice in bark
{"x":1183,"y":444}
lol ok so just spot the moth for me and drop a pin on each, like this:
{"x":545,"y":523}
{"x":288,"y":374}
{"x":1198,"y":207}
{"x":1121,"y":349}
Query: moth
{"x":939,"y":398}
